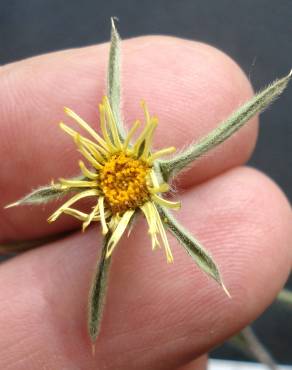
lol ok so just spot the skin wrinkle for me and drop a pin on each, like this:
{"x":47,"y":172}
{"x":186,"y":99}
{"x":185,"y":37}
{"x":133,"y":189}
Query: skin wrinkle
{"x":43,"y":304}
{"x":61,"y":351}
{"x":23,"y":347}
{"x":16,"y":364}
{"x":138,"y":352}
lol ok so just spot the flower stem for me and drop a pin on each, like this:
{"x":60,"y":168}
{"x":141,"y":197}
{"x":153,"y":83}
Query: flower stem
{"x":248,"y":342}
{"x":98,"y":293}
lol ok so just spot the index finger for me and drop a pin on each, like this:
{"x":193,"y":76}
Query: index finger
{"x":190,"y":86}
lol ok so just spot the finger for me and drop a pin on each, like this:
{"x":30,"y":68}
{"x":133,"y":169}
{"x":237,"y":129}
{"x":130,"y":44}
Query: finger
{"x":157,"y":316}
{"x":198,"y":364}
{"x":190,"y":86}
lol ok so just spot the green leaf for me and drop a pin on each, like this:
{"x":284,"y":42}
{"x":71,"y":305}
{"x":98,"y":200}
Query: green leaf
{"x":98,"y":293}
{"x":113,"y":78}
{"x":43,"y":195}
{"x":257,"y":104}
{"x":194,"y":248}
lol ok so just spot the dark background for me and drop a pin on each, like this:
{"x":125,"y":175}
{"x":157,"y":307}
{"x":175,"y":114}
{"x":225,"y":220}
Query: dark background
{"x":256,"y":33}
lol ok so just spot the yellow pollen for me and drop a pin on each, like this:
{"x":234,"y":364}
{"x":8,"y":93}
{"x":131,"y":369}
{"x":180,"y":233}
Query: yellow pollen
{"x":123,"y":181}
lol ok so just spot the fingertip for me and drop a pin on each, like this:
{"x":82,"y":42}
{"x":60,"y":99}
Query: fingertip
{"x":192,"y":87}
{"x":189,"y":85}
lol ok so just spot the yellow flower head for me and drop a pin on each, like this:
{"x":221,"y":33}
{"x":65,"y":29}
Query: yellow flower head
{"x":121,"y":178}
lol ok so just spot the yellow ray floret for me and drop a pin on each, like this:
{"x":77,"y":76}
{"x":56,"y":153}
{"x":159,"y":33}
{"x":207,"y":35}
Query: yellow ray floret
{"x":120,"y":178}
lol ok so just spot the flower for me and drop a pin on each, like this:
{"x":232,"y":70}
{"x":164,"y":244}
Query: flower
{"x":122,"y":179}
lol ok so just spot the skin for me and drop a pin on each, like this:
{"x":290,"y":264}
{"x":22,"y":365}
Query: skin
{"x":157,"y":316}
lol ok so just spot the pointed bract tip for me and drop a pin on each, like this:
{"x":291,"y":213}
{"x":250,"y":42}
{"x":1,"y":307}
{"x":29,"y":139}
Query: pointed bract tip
{"x":11,"y":205}
{"x":51,"y":219}
{"x":93,"y":349}
{"x":113,"y":19}
{"x":226,"y":290}
{"x":290,"y":73}
{"x":67,"y":110}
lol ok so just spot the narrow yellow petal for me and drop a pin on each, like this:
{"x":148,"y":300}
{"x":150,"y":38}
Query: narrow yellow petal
{"x":161,"y":153}
{"x":90,"y":218}
{"x":86,"y":172}
{"x":148,"y":140}
{"x":113,"y":222}
{"x":86,"y":127}
{"x":118,"y":232}
{"x":103,"y":125}
{"x":86,"y":154}
{"x":90,"y":147}
{"x":166,"y":203}
{"x":84,"y":141}
{"x":68,"y":130}
{"x":146,"y":111}
{"x":146,"y":209}
{"x":75,"y":198}
{"x":90,"y":159}
{"x":155,"y":242}
{"x":150,"y":215}
{"x":75,"y":213}
{"x":154,"y":179}
{"x":133,"y":129}
{"x":162,"y":188}
{"x":67,"y":184}
{"x":93,"y":151}
{"x":146,"y":132}
{"x":102,"y":215}
{"x":169,"y":256}
{"x":111,"y":122}
{"x":81,"y":215}
{"x":153,"y":217}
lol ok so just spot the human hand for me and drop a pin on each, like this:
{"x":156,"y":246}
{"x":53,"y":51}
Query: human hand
{"x":157,"y":316}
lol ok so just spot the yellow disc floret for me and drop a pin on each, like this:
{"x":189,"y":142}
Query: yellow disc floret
{"x":123,"y":181}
